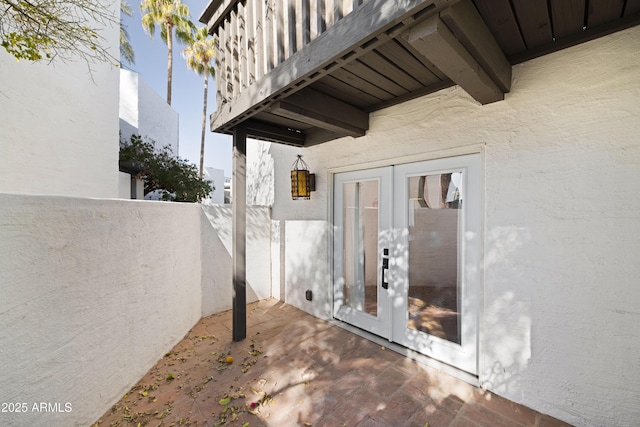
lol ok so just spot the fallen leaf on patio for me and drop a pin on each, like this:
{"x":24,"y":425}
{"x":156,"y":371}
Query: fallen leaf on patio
{"x":308,"y":424}
{"x":245,"y":424}
{"x":225,"y":400}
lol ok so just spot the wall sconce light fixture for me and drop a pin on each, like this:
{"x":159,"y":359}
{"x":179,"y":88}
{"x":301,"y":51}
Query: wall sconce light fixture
{"x":302,"y":182}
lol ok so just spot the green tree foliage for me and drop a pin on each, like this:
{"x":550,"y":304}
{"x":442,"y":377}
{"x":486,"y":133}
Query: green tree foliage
{"x":199,"y":56}
{"x":169,"y":15}
{"x":177,"y":179}
{"x":126,"y":50}
{"x":37,"y":30}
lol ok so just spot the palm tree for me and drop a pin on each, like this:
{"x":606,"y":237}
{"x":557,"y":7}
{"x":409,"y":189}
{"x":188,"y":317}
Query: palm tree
{"x":168,"y":14}
{"x":199,"y":58}
{"x":126,"y":50}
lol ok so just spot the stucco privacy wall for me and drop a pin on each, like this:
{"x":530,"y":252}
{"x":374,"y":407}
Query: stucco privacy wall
{"x":562,"y":231}
{"x":60,"y":137}
{"x":94,"y":292}
{"x":217,"y":274}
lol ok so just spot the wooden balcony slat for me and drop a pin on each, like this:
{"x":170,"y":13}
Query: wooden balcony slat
{"x":289,"y":27}
{"x":259,"y":50}
{"x":235,"y":55}
{"x":281,"y":41}
{"x":251,"y":40}
{"x":270,"y":36}
{"x":228,"y":57}
{"x":243,"y":63}
{"x":329,"y":13}
{"x":314,"y":22}
{"x":305,"y":23}
{"x":218,"y":64}
{"x":338,"y":10}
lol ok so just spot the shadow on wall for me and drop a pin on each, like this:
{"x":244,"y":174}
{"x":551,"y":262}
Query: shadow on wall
{"x":505,"y":337}
{"x":217,"y":278}
{"x":307,"y":266}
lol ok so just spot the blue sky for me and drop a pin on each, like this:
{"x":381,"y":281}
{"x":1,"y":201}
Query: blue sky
{"x":188,"y":88}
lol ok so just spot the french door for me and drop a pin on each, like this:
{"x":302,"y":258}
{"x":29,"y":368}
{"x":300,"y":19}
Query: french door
{"x":407,"y":247}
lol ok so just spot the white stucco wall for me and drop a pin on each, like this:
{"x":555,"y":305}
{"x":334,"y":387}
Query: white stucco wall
{"x":93,"y":293}
{"x":59,"y":126}
{"x":217,"y":273}
{"x":561,"y":158}
{"x":144,"y":112}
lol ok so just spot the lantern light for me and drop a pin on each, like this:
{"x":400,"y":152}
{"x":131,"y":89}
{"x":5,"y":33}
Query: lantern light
{"x":302,"y":182}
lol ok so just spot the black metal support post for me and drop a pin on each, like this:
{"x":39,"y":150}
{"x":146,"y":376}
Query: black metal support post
{"x":239,"y":208}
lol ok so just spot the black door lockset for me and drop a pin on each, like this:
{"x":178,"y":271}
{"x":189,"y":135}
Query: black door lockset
{"x":385,"y":267}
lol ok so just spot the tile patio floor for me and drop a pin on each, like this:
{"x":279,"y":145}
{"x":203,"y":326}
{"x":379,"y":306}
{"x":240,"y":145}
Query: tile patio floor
{"x":296,"y":370}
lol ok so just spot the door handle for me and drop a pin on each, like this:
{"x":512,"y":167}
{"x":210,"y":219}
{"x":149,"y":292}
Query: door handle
{"x":385,"y":267}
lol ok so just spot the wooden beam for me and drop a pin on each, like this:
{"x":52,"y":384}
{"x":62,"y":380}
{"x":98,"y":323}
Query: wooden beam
{"x":317,"y":109}
{"x":317,"y":136}
{"x":239,"y":245}
{"x":467,"y":25}
{"x":437,"y":43}
{"x":286,"y":109}
{"x":268,"y":132}
{"x":369,"y":26}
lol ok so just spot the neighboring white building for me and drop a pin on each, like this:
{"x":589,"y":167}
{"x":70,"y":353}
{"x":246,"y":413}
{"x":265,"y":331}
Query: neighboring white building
{"x":216,"y":176}
{"x":144,"y":112}
{"x":59,"y":126}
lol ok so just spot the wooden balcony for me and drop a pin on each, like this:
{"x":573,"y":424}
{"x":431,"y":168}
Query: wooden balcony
{"x":303,"y":72}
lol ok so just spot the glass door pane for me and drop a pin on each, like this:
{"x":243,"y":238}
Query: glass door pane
{"x":360,"y":251}
{"x":433,"y":206}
